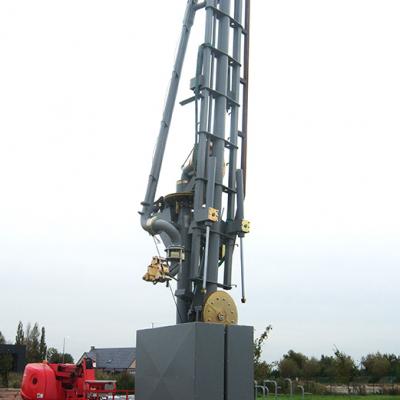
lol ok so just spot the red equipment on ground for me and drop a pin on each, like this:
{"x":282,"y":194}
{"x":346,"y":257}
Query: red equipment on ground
{"x":64,"y":382}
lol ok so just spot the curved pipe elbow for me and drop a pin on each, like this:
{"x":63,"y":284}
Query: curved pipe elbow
{"x":160,"y":225}
{"x":156,"y":225}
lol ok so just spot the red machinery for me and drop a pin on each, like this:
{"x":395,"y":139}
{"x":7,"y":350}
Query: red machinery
{"x":64,"y":382}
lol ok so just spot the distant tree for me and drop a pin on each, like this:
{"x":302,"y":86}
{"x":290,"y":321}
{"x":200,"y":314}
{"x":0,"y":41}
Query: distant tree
{"x":259,"y":342}
{"x":311,"y":368}
{"x":6,"y":362}
{"x":261,"y":368}
{"x":298,"y":358}
{"x":345,"y":367}
{"x":68,"y":359}
{"x":394,"y":364}
{"x":394,"y":372}
{"x":32,"y":343}
{"x":395,"y":369}
{"x":54,"y":357}
{"x":327,"y":368}
{"x":376,"y":365}
{"x":20,"y":337}
{"x":27,"y":333}
{"x":42,"y":345}
{"x":288,"y":368}
{"x":292,"y":365}
{"x":27,"y":343}
{"x":125,"y":381}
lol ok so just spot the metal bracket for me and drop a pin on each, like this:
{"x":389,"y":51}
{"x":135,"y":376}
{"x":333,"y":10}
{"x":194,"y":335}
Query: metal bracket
{"x":240,"y":226}
{"x":213,"y":214}
{"x":245,"y":226}
{"x":207,"y":214}
{"x":175,"y":253}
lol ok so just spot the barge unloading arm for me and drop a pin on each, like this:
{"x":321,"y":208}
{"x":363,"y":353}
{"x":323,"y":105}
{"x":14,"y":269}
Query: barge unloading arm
{"x":200,"y":223}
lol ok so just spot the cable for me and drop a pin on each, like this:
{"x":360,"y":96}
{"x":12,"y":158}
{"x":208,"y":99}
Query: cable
{"x":176,"y":304}
{"x":155,"y":243}
{"x":168,"y":284}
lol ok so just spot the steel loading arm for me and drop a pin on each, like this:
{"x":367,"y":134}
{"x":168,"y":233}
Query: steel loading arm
{"x":151,"y":224}
{"x":190,"y":222}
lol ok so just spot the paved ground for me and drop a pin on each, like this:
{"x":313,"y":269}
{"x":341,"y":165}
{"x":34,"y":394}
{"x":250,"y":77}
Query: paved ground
{"x":13,"y":394}
{"x":9,"y":394}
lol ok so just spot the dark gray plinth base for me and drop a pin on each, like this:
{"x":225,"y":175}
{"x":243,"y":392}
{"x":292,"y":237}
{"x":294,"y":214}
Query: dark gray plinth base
{"x":195,"y":361}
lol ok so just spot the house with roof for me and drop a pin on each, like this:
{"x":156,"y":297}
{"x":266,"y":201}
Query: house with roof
{"x":117,"y":359}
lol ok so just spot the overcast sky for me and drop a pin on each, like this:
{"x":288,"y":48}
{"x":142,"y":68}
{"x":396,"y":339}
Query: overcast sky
{"x":82,"y":87}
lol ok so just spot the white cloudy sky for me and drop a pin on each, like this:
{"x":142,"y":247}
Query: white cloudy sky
{"x":82,"y":85}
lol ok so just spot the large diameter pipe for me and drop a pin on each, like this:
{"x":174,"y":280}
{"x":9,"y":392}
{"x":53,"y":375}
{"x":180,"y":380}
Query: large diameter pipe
{"x":157,"y":225}
{"x":168,"y":110}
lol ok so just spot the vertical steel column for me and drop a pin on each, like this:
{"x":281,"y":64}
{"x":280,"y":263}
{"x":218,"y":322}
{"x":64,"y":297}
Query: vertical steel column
{"x":201,"y":151}
{"x":204,"y":111}
{"x":237,"y":34}
{"x":184,"y":284}
{"x":212,"y":162}
{"x":245,"y":105}
{"x":237,"y":40}
{"x":218,"y":145}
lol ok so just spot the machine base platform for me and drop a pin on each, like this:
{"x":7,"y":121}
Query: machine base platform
{"x":195,"y":361}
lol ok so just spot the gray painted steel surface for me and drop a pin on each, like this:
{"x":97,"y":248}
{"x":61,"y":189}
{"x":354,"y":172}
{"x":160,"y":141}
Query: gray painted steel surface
{"x":195,"y":361}
{"x":239,"y":370}
{"x":184,"y":361}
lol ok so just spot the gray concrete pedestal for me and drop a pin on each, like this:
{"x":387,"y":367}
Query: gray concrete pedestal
{"x":195,"y":361}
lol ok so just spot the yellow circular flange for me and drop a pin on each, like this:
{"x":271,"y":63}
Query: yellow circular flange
{"x":219,"y":308}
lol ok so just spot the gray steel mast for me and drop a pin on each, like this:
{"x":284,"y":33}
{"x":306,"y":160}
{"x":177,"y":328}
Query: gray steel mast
{"x":200,"y":223}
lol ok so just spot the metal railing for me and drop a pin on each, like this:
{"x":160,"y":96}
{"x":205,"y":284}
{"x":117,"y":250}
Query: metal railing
{"x":108,"y":394}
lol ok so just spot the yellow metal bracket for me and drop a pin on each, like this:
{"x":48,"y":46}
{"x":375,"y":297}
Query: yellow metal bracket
{"x":245,"y":226}
{"x":213,"y":214}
